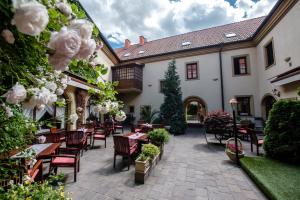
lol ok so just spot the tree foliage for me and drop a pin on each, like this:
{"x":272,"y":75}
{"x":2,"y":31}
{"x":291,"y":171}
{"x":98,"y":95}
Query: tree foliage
{"x":282,"y":140}
{"x":172,"y":108}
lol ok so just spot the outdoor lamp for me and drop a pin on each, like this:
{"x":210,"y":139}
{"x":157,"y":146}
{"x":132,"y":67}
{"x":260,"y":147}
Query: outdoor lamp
{"x":233,"y":102}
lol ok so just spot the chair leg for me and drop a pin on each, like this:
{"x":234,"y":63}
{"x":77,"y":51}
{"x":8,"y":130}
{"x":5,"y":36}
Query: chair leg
{"x":55,"y":170}
{"x":105,"y":143}
{"x":257,"y":150}
{"x":251,"y":146}
{"x":78,"y":165}
{"x":114,"y":161}
{"x":75,"y":173}
{"x":129,"y":161}
{"x":93,"y":143}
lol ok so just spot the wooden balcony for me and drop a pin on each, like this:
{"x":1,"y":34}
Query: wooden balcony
{"x":130,"y":78}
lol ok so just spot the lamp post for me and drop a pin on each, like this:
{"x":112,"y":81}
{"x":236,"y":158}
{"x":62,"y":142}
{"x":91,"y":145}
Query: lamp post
{"x":233,"y":102}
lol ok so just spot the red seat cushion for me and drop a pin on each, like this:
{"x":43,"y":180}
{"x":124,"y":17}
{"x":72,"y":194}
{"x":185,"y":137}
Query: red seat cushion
{"x":99,"y":136}
{"x":242,"y":131}
{"x":118,"y":126}
{"x":260,"y":142}
{"x":137,"y":130}
{"x":63,"y":160}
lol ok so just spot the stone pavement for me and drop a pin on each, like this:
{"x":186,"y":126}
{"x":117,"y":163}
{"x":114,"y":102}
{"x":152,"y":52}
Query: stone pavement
{"x":190,"y":170}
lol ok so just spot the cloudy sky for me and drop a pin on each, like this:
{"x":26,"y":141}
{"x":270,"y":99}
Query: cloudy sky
{"x":121,"y":19}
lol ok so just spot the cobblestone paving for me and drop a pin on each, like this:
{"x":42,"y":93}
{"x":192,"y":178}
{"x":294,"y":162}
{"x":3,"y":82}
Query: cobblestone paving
{"x":190,"y":170}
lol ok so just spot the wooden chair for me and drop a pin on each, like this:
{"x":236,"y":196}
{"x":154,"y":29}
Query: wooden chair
{"x":66,"y":157}
{"x":109,"y":126}
{"x":254,"y":140}
{"x":123,"y":148}
{"x":76,"y":139}
{"x":117,"y":126}
{"x":100,"y":134}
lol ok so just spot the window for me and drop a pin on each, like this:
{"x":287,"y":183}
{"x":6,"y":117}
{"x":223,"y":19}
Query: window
{"x":269,"y":54}
{"x":244,"y":108}
{"x":192,"y":71}
{"x":240,"y":65}
{"x":131,"y":109}
{"x":162,"y":86}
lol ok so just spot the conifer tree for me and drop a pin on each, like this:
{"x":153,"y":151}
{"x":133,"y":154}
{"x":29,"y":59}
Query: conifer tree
{"x":172,"y":108}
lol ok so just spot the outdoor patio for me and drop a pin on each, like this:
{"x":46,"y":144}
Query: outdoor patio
{"x":189,"y":169}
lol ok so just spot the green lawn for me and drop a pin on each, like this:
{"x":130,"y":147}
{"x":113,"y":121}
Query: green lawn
{"x":276,"y":179}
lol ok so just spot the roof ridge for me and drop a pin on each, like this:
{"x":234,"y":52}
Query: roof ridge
{"x":195,"y":31}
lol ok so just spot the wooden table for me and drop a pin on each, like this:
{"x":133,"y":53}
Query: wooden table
{"x":143,"y":137}
{"x":48,"y":151}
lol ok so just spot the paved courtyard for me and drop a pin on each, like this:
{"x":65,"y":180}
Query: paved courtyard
{"x":190,"y":169}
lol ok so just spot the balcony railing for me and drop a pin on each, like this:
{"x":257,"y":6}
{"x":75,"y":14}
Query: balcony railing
{"x":130,"y":77}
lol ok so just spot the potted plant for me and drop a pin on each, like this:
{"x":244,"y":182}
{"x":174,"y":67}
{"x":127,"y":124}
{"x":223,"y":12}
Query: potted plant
{"x":151,"y":151}
{"x":159,"y":137}
{"x":142,"y":163}
{"x":146,"y":162}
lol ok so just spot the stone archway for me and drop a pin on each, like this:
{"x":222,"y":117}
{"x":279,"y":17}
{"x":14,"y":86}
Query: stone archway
{"x":266,"y":105}
{"x":195,"y":110}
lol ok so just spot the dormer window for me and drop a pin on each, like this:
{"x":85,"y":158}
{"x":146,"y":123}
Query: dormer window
{"x":141,"y":52}
{"x":184,"y":44}
{"x":230,"y":35}
{"x":126,"y":54}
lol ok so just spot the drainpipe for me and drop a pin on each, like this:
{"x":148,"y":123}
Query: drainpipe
{"x":221,"y":76}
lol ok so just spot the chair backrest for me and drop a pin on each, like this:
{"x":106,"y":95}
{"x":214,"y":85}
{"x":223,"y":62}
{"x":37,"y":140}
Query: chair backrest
{"x":74,"y":137}
{"x":121,"y":144}
{"x":108,"y":127}
{"x":52,"y":138}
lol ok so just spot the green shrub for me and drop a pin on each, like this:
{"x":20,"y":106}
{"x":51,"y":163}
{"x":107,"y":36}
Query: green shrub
{"x":159,"y":136}
{"x":34,"y":191}
{"x":150,"y":150}
{"x":142,"y":157}
{"x":282,"y":140}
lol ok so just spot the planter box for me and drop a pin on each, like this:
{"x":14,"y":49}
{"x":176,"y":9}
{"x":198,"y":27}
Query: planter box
{"x":142,"y":166}
{"x":141,"y":176}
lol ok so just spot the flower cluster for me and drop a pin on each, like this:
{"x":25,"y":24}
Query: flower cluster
{"x":107,"y":107}
{"x":71,"y":42}
{"x":46,"y":90}
{"x":120,"y":116}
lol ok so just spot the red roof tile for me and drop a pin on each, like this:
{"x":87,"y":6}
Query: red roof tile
{"x":244,"y":30}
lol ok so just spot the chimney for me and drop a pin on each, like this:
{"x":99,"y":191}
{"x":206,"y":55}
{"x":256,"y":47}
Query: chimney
{"x":127,"y":44}
{"x":142,"y":40}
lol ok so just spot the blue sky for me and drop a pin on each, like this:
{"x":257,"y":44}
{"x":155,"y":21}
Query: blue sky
{"x":122,"y":19}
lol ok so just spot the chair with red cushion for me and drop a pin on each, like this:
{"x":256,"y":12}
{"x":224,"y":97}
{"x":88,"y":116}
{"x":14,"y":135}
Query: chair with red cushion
{"x":255,"y":140}
{"x":66,"y":157}
{"x":118,"y":125}
{"x":76,"y":139}
{"x":100,"y":134}
{"x":124,"y":148}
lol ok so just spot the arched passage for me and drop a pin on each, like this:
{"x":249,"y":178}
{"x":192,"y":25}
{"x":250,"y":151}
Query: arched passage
{"x":195,"y":110}
{"x":266,"y":105}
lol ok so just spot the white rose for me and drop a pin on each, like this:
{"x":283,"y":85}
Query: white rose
{"x":59,"y":91}
{"x":120,"y":116}
{"x":87,"y":48}
{"x":64,"y":80}
{"x":57,"y":73}
{"x":59,"y":62}
{"x":8,"y":36}
{"x":31,"y":17}
{"x":83,"y":27}
{"x":66,"y":42}
{"x":114,"y":105}
{"x":16,"y":94}
{"x":64,"y":8}
{"x":43,"y":96}
{"x":99,"y":46}
{"x":79,"y":109}
{"x":51,"y":86}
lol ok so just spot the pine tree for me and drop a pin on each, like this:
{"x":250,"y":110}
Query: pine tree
{"x":172,"y":108}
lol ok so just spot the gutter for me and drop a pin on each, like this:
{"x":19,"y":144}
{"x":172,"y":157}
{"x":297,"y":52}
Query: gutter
{"x":221,"y":76}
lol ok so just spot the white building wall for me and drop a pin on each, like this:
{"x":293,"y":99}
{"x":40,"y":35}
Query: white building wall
{"x":286,"y":40}
{"x":207,"y":86}
{"x":102,"y":58}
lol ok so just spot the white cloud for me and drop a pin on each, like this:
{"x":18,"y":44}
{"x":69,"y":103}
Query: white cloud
{"x":161,"y":18}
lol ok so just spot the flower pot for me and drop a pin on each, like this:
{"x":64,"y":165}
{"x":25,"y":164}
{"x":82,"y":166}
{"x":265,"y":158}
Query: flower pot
{"x":142,"y":166}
